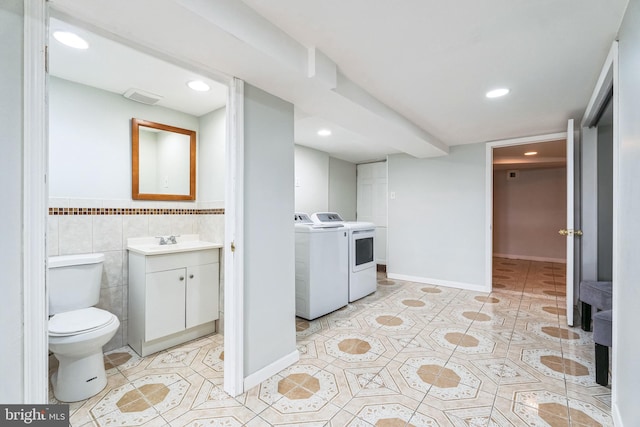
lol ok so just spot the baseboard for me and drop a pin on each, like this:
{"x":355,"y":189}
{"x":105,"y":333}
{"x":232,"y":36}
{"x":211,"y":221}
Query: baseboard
{"x":438,"y":282}
{"x":531,"y":258}
{"x":270,"y":370}
{"x":615,"y":414}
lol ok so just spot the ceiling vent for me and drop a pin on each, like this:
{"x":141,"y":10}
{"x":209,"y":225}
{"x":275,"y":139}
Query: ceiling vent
{"x":142,"y":96}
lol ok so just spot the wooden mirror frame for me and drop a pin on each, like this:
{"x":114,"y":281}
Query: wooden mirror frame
{"x":135,"y":161}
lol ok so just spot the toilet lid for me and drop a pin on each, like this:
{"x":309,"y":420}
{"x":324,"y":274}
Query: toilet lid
{"x":77,"y":321}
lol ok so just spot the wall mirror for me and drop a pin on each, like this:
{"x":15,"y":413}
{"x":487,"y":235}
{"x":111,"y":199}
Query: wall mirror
{"x":163,"y":161}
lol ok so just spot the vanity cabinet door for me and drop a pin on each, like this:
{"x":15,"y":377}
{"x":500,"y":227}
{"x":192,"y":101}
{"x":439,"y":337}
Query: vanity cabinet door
{"x":165,"y":300}
{"x":202,"y":294}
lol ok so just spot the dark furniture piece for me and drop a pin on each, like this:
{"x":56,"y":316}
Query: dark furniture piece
{"x":602,"y":336}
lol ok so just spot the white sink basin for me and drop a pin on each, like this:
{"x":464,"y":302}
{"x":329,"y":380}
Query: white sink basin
{"x":151,"y":246}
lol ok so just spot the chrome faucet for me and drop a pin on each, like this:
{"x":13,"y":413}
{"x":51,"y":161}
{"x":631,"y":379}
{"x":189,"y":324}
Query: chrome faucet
{"x":167,"y":240}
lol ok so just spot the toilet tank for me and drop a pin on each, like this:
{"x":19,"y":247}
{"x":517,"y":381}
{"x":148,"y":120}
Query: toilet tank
{"x":74,"y":281}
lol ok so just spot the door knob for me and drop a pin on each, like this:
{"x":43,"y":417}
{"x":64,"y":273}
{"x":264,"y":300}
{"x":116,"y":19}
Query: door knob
{"x":564,"y":232}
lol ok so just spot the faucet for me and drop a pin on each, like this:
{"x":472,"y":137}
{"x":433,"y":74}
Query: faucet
{"x":167,"y":240}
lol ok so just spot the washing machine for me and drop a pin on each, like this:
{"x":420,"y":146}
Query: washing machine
{"x":361,"y":257}
{"x":322,"y":271}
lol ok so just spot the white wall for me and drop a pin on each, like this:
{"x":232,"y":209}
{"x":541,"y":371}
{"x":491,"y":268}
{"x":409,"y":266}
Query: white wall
{"x":436,"y":228}
{"x":11,"y":247}
{"x":342,"y":188}
{"x":311,"y":180}
{"x":324,"y":184}
{"x":627,"y":228}
{"x":372,"y":203}
{"x":528,"y":212}
{"x":211,"y":157}
{"x":90,"y":139}
{"x":269,"y":269}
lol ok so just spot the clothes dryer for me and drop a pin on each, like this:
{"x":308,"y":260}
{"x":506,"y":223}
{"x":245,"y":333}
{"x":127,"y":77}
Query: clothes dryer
{"x":322,"y":271}
{"x":362,"y":265}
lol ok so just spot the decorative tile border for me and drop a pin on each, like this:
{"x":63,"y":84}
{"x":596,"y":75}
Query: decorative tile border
{"x":133,"y":211}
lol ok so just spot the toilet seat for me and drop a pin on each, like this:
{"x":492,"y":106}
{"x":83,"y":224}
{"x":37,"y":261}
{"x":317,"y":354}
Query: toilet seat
{"x":79,"y":321}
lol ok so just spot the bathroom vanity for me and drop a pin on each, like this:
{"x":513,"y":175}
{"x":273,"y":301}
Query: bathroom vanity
{"x":173,"y":292}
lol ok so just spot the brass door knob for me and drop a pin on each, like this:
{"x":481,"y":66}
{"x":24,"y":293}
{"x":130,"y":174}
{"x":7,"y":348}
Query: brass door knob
{"x":564,"y":232}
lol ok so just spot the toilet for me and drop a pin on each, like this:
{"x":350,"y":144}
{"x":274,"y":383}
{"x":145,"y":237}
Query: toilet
{"x":77,"y":330}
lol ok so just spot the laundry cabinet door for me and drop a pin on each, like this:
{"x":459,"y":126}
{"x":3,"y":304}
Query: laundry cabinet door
{"x":202,"y":294}
{"x":165,"y":301}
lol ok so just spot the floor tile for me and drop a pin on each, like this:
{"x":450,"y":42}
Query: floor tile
{"x":409,"y":354}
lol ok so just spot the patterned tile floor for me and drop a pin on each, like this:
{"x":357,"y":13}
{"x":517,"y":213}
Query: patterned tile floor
{"x":409,"y":355}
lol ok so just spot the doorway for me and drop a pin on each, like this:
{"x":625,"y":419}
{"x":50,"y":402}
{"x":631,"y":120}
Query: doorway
{"x":509,"y":165}
{"x":529,"y":201}
{"x":90,"y":167}
{"x":529,"y":207}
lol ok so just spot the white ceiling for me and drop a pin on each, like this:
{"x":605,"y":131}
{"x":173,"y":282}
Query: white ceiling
{"x":117,"y":68}
{"x":387,"y":77}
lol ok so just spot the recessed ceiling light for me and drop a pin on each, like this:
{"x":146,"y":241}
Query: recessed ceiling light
{"x":71,"y":39}
{"x":530,"y":153}
{"x":324,"y":132}
{"x":497,"y":93}
{"x":198,"y":85}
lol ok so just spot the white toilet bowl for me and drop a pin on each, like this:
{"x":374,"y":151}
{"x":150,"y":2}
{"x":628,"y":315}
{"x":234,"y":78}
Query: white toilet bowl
{"x":76,"y":339}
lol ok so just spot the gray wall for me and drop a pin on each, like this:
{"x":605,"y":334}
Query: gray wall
{"x":605,"y":202}
{"x":11,"y":141}
{"x":437,"y":219}
{"x":269,"y":271}
{"x":627,"y":268}
{"x":342,"y":188}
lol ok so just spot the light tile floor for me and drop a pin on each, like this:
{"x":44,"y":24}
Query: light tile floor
{"x":409,"y":355}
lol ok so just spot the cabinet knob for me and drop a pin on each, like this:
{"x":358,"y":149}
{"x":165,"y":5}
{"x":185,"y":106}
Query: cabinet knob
{"x":191,"y":276}
{"x":181,"y":278}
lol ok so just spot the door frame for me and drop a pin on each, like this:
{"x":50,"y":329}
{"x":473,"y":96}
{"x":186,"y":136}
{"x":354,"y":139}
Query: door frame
{"x":489,"y":192}
{"x":35,"y":202}
{"x":608,"y":80}
{"x":35,"y":208}
{"x":234,"y":232}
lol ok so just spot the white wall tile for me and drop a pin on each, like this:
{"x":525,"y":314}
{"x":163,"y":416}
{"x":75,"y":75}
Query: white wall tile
{"x":75,"y":234}
{"x":85,"y":203}
{"x":116,"y":204}
{"x":144,"y":204}
{"x":182,"y":224}
{"x":159,"y":225}
{"x":52,"y":235}
{"x":112,"y":272}
{"x":134,"y":226}
{"x":58,"y":202}
{"x":107,"y":232}
{"x":111,"y":300}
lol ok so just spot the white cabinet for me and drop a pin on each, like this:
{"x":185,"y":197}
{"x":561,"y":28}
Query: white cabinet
{"x":173,"y":298}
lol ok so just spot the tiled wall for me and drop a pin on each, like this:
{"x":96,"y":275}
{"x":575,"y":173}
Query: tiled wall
{"x":87,"y":226}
